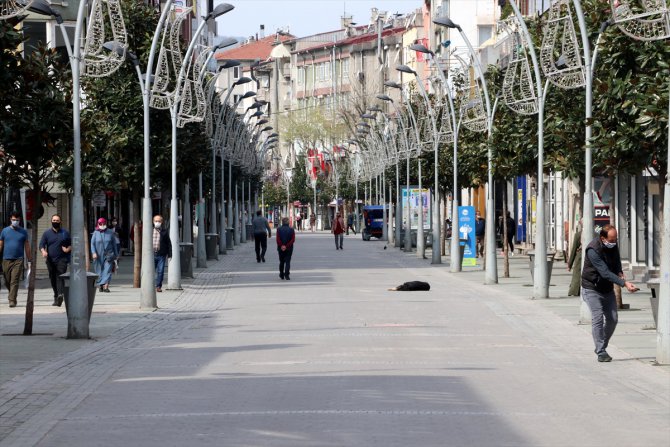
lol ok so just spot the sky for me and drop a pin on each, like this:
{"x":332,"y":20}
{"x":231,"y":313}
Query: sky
{"x":303,"y":17}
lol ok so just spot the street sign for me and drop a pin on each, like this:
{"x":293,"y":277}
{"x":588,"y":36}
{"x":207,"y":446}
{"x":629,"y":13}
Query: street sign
{"x":99,"y":199}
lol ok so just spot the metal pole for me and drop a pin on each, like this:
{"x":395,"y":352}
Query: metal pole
{"x":420,"y":245}
{"x":541,"y":283}
{"x":148,"y":270}
{"x":77,"y":318}
{"x":663,"y":326}
{"x":243,"y":223}
{"x":456,"y":262}
{"x":398,"y":205}
{"x":223,"y":245}
{"x":408,"y":223}
{"x":201,"y":249}
{"x":236,"y":217}
{"x":187,"y":233}
{"x":212,"y":217}
{"x":385,"y":233}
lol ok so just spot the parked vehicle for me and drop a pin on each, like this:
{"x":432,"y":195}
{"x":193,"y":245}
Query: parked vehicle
{"x":373,"y":219}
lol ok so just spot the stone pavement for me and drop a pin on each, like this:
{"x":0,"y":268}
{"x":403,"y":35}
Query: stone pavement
{"x":331,"y":358}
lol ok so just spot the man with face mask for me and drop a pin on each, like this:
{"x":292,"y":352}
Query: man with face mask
{"x":162,"y":249}
{"x":55,"y":246}
{"x":602,"y":269}
{"x":13,"y":244}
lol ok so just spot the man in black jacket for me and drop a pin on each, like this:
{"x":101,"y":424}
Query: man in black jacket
{"x":602,"y":269}
{"x":285,"y":240}
{"x":162,"y":249}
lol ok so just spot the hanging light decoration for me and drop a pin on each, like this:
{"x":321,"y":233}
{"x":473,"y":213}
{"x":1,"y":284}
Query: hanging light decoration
{"x":642,"y":19}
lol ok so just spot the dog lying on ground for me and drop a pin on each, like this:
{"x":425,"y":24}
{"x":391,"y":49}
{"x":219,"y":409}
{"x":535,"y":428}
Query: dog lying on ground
{"x":412,"y":286}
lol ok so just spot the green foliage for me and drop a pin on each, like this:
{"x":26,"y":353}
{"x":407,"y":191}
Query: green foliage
{"x":35,"y":116}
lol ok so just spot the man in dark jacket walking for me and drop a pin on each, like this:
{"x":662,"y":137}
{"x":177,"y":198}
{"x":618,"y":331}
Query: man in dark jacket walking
{"x":55,"y":246}
{"x":602,"y":269}
{"x":262,"y":232}
{"x":285,"y":240}
{"x":162,"y":249}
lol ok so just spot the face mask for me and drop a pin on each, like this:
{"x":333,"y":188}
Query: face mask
{"x":103,"y":227}
{"x":15,"y":223}
{"x":113,"y":224}
{"x":609,"y":244}
{"x":157,"y":225}
{"x":55,"y":225}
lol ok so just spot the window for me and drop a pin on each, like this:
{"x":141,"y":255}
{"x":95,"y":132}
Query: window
{"x":485,"y":33}
{"x":236,"y":98}
{"x":237,"y":72}
{"x":345,"y":68}
{"x":301,"y":75}
{"x":326,"y":71}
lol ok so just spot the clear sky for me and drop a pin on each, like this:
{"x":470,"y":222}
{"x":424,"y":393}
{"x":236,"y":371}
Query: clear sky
{"x":303,"y":17}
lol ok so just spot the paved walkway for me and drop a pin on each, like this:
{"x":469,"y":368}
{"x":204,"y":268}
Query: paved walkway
{"x":332,"y":358}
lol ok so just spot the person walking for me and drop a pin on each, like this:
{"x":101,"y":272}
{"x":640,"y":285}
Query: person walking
{"x":104,"y":254}
{"x":312,"y":222}
{"x":117,"y":233}
{"x":338,"y":231}
{"x":298,"y":221}
{"x":285,"y":240}
{"x":602,"y":269}
{"x":575,"y":262}
{"x":480,"y":234}
{"x":162,"y":250}
{"x":511,"y":230}
{"x":14,"y":246}
{"x":262,"y":232}
{"x":56,"y":246}
{"x":350,"y":223}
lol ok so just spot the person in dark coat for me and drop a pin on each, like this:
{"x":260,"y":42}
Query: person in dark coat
{"x":56,"y":246}
{"x":162,"y":245}
{"x":262,"y":232}
{"x":285,"y":240}
{"x":480,"y":233}
{"x":602,"y":269}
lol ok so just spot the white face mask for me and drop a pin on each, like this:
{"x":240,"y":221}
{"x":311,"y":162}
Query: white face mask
{"x":103,"y":227}
{"x":609,"y":244}
{"x":157,"y":225}
{"x":15,"y":223}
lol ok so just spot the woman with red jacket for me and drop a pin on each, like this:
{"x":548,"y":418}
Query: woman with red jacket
{"x":338,"y":231}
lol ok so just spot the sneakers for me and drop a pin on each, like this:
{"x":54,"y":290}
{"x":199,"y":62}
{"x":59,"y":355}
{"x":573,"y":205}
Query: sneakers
{"x":604,"y":357}
{"x":258,"y":260}
{"x":287,"y":278}
{"x":12,"y":304}
{"x":281,"y":276}
{"x":61,"y":297}
{"x":158,"y":289}
{"x":263,"y":258}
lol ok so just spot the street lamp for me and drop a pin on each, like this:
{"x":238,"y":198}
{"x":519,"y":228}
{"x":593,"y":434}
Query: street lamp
{"x":455,"y":244}
{"x":436,"y":255}
{"x":174,"y":271}
{"x":408,"y":225}
{"x":78,"y":310}
{"x":420,"y":245}
{"x":491,"y":276}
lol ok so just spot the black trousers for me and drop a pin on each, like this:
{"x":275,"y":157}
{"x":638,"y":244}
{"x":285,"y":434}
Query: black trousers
{"x":56,"y":268}
{"x":285,"y":261}
{"x":261,"y":244}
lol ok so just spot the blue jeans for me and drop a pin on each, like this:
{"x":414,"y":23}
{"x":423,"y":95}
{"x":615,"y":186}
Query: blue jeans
{"x":159,"y":263}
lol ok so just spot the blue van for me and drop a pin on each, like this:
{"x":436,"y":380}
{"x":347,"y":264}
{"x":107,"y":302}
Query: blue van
{"x":373,"y":221}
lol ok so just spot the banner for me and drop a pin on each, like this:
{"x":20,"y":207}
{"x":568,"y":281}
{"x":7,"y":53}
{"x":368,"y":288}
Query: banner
{"x":466,"y":234}
{"x":415,"y":197}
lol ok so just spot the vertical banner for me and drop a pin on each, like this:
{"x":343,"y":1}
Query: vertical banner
{"x":521,"y":209}
{"x":466,"y":234}
{"x":416,"y":197}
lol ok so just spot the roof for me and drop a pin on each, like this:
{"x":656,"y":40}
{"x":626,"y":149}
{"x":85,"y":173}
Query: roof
{"x":367,"y":37}
{"x":257,"y":49}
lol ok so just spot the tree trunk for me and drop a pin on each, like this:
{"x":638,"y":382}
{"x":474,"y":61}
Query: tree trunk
{"x":30,"y":301}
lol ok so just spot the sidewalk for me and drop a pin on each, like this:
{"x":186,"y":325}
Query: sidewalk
{"x":111,"y":311}
{"x":331,"y":358}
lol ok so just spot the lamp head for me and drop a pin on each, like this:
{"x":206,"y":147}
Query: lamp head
{"x":392,"y":84}
{"x":220,"y":10}
{"x":368,"y":116}
{"x":420,"y":48}
{"x":561,"y":63}
{"x":226,"y":42}
{"x":374,"y":109}
{"x":44,"y":8}
{"x":385,"y":98}
{"x":405,"y":69}
{"x":230,"y":64}
{"x":261,"y":122}
{"x":266,"y":128}
{"x":248,"y":94}
{"x":242,"y":80}
{"x":446,"y":21}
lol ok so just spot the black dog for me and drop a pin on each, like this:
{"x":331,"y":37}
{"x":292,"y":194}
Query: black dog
{"x":413,"y":286}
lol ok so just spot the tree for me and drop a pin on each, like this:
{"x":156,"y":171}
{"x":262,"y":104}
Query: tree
{"x":36,"y":125}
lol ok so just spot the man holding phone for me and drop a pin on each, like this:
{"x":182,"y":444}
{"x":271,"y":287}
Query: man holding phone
{"x":602,"y":269}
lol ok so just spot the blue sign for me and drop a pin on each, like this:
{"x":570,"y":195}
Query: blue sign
{"x":466,"y":234}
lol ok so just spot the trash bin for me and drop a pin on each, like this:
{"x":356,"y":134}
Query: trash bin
{"x":211,"y":240}
{"x":90,"y":287}
{"x":230,"y":236}
{"x":250,"y":232}
{"x":550,"y":264}
{"x":186,"y":259}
